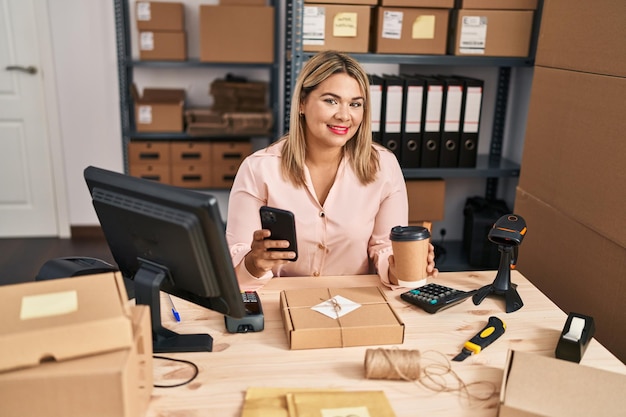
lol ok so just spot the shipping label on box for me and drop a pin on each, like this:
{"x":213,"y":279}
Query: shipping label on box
{"x":339,"y":317}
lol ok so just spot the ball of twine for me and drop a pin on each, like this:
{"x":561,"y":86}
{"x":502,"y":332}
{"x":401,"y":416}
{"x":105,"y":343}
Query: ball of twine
{"x":392,"y":364}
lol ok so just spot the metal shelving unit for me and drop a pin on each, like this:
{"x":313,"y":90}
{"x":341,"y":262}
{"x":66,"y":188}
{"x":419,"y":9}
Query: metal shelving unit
{"x":126,"y":67}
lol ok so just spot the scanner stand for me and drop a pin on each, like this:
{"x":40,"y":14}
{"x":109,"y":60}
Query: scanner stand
{"x":148,"y":280}
{"x":502,"y":283}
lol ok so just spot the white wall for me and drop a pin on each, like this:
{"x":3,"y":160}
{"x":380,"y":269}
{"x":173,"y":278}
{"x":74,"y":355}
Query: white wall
{"x":84,"y":43}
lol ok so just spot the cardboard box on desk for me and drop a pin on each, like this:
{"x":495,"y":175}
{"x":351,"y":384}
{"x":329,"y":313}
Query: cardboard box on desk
{"x":373,"y":322}
{"x":538,"y":386}
{"x":159,"y":109}
{"x":77,"y":349}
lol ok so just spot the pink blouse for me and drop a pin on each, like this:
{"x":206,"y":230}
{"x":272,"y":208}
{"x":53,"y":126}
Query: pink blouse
{"x":348,"y":235}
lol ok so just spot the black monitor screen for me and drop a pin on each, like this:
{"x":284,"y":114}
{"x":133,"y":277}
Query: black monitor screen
{"x":170,"y":239}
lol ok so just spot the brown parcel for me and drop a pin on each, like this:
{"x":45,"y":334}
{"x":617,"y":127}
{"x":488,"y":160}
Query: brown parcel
{"x":107,"y":382}
{"x":374,"y":323}
{"x":162,"y":46}
{"x":539,"y":386}
{"x":345,"y":27}
{"x":159,"y":110}
{"x":62,"y":319}
{"x":422,"y":31}
{"x":507,"y":32}
{"x":160,"y":16}
{"x":237,"y":34}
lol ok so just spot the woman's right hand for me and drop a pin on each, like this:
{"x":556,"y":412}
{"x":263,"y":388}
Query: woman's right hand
{"x":260,"y":260}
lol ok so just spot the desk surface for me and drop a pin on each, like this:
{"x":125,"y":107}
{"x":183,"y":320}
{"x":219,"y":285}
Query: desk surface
{"x":263,"y":359}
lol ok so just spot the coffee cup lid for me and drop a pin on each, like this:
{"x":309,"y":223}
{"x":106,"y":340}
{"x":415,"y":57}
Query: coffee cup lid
{"x":408,"y":233}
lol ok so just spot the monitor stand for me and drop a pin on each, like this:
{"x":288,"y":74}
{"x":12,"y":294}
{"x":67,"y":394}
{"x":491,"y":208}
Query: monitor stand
{"x":148,"y":281}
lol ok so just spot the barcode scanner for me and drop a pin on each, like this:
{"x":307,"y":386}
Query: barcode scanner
{"x":507,"y":232}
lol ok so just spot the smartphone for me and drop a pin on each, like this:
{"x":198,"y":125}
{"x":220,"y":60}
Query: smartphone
{"x":282,"y":224}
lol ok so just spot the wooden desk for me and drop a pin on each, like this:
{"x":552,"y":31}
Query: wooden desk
{"x":247,"y":360}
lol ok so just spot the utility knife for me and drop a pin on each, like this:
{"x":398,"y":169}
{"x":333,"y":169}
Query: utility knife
{"x":493,"y":330}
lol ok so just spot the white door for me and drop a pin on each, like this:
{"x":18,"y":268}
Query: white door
{"x":27,"y":192}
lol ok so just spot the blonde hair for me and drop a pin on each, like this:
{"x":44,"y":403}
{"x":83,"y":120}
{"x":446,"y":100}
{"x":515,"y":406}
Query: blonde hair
{"x":361,"y":154}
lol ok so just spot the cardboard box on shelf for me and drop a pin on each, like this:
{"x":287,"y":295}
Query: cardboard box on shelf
{"x":332,"y":26}
{"x":237,"y":34}
{"x":159,"y":109}
{"x":427,"y":199}
{"x":149,"y":152}
{"x":365,"y":318}
{"x":191,"y":175}
{"x":103,"y":380}
{"x":587,"y":170}
{"x":192,"y":152}
{"x":491,"y":32}
{"x":39,"y":316}
{"x":242,"y":2}
{"x":160,"y":16}
{"x":538,"y":386}
{"x":410,"y":31}
{"x":162,"y":46}
{"x":154,"y":172}
{"x":597,"y":49}
{"x":225,"y":161}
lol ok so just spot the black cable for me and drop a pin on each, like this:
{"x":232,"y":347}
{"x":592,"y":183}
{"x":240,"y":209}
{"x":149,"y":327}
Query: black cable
{"x":193,"y":365}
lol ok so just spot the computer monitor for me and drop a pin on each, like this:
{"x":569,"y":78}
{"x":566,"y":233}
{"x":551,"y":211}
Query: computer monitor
{"x":170,"y":239}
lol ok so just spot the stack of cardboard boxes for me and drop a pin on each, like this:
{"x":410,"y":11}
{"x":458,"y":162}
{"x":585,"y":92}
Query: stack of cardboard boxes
{"x":429,"y":27}
{"x":74,"y":347}
{"x":161,"y":27}
{"x":189,"y":164}
{"x":572,"y":188}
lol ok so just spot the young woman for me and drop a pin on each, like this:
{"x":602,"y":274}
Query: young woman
{"x":345,"y":191}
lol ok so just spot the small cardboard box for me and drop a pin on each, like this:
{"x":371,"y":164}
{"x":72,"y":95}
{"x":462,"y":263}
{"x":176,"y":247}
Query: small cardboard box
{"x":225,"y":161}
{"x":159,"y":110}
{"x":237,"y":34}
{"x":185,"y":153}
{"x":162,"y":46}
{"x":427,"y":199}
{"x":491,"y":32}
{"x":149,"y":152}
{"x":160,"y":16}
{"x":410,"y":31}
{"x":62,"y":319}
{"x":154,"y":172}
{"x":191,"y":175}
{"x":539,"y":386}
{"x":117,"y":383}
{"x":373,"y":322}
{"x":340,"y":27}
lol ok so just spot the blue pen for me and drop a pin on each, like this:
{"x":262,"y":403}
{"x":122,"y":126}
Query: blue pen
{"x":174,"y":312}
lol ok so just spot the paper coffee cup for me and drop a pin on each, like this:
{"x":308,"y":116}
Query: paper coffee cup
{"x":410,"y":246}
